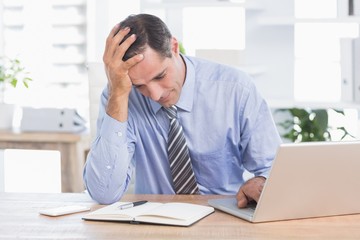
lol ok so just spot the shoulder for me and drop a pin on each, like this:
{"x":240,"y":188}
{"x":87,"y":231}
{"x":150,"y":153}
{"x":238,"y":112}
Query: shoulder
{"x":207,"y":70}
{"x":220,"y":77}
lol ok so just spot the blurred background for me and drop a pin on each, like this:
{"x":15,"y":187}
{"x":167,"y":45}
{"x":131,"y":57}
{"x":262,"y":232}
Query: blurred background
{"x":303,"y":55}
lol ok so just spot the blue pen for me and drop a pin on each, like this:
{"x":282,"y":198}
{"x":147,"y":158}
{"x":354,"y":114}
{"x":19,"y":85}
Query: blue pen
{"x":132,"y":204}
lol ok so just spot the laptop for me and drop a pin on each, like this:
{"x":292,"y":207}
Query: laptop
{"x":307,"y":180}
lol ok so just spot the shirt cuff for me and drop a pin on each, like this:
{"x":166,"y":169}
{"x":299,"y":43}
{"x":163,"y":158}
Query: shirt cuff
{"x":113,"y":131}
{"x":264,"y":174}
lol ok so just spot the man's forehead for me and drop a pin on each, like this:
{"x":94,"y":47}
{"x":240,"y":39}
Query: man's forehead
{"x":148,"y":69}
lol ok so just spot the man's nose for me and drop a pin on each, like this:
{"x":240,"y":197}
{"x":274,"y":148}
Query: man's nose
{"x":155,"y":91}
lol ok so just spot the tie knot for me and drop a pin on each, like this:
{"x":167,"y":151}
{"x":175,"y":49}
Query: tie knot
{"x":171,"y":112}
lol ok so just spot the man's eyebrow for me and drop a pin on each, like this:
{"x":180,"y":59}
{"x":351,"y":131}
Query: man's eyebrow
{"x":160,"y":75}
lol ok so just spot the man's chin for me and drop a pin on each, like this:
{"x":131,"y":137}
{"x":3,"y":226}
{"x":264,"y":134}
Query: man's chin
{"x":166,"y":104}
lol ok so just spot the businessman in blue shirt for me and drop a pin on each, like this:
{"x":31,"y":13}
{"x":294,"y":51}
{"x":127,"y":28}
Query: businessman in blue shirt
{"x":227,"y":125}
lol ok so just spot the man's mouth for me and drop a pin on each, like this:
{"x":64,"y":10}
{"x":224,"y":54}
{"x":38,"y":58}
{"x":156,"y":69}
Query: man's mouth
{"x":165,"y":99}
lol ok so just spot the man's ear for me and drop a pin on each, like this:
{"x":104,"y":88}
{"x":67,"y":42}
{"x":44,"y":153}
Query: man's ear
{"x":175,"y":46}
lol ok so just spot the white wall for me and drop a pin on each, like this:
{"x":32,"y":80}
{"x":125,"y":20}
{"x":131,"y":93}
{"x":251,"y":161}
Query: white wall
{"x":2,"y":171}
{"x":103,"y":15}
{"x":271,"y":47}
{"x":269,"y":50}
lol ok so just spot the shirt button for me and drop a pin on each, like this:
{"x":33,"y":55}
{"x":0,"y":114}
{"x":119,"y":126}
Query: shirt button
{"x":119,"y":134}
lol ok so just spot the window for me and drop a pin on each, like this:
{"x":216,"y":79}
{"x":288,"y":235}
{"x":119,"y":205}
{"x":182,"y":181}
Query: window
{"x":209,"y":29}
{"x":30,"y":171}
{"x":318,"y":51}
{"x":226,"y":31}
{"x":49,"y":38}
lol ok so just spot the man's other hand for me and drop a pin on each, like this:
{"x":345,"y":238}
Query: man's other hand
{"x":250,"y":191}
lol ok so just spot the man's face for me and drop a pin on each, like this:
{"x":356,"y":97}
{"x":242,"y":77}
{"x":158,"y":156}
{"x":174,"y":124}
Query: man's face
{"x":158,"y":78}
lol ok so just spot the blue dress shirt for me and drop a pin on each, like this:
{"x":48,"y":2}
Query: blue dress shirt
{"x":227,"y":125}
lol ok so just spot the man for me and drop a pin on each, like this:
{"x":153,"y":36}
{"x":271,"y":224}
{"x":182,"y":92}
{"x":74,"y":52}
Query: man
{"x":228,"y":127}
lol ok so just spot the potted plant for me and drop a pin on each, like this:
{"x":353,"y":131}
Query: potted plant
{"x":11,"y":73}
{"x":308,"y":125}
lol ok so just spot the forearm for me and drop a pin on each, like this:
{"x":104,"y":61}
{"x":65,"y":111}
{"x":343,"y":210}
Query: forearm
{"x":107,"y":171}
{"x":117,"y":105}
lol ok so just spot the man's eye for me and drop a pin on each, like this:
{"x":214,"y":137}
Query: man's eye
{"x":160,"y":77}
{"x":137,"y":86}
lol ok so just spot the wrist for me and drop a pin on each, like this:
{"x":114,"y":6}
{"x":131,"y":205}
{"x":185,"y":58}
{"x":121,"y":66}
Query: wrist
{"x":117,"y":107}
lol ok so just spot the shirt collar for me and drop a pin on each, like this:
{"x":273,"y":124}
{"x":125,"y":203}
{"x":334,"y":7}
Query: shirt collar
{"x":187,"y":93}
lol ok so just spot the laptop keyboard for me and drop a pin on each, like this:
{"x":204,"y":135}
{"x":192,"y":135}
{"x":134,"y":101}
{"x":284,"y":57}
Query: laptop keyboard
{"x":251,"y":205}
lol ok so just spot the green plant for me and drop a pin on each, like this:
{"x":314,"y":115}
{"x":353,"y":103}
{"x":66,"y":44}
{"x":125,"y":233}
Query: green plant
{"x":181,"y":48}
{"x":11,"y":73}
{"x":308,"y":125}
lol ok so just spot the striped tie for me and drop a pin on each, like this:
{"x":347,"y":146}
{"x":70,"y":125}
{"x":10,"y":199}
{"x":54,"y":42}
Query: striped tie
{"x":179,"y":159}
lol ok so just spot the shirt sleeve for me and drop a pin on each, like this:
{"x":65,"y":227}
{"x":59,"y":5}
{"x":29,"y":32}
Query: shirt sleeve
{"x":108,"y":168}
{"x":260,"y":136}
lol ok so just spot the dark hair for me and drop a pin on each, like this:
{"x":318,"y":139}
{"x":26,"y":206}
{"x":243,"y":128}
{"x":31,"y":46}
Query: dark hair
{"x":150,"y":31}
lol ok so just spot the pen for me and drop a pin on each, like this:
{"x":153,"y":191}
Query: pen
{"x":132,"y":204}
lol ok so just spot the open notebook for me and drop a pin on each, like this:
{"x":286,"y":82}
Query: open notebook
{"x":306,"y":180}
{"x":173,"y":213}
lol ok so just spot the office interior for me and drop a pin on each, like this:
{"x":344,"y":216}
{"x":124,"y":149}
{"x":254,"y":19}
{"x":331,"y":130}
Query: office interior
{"x":302,"y":56}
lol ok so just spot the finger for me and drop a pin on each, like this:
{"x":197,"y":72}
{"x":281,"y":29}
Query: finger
{"x":134,"y":60}
{"x":113,"y":41}
{"x":257,"y":192}
{"x":113,"y":31}
{"x":256,"y":196}
{"x":242,"y":200}
{"x":121,"y":49}
{"x":258,"y":186}
{"x":242,"y":203}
